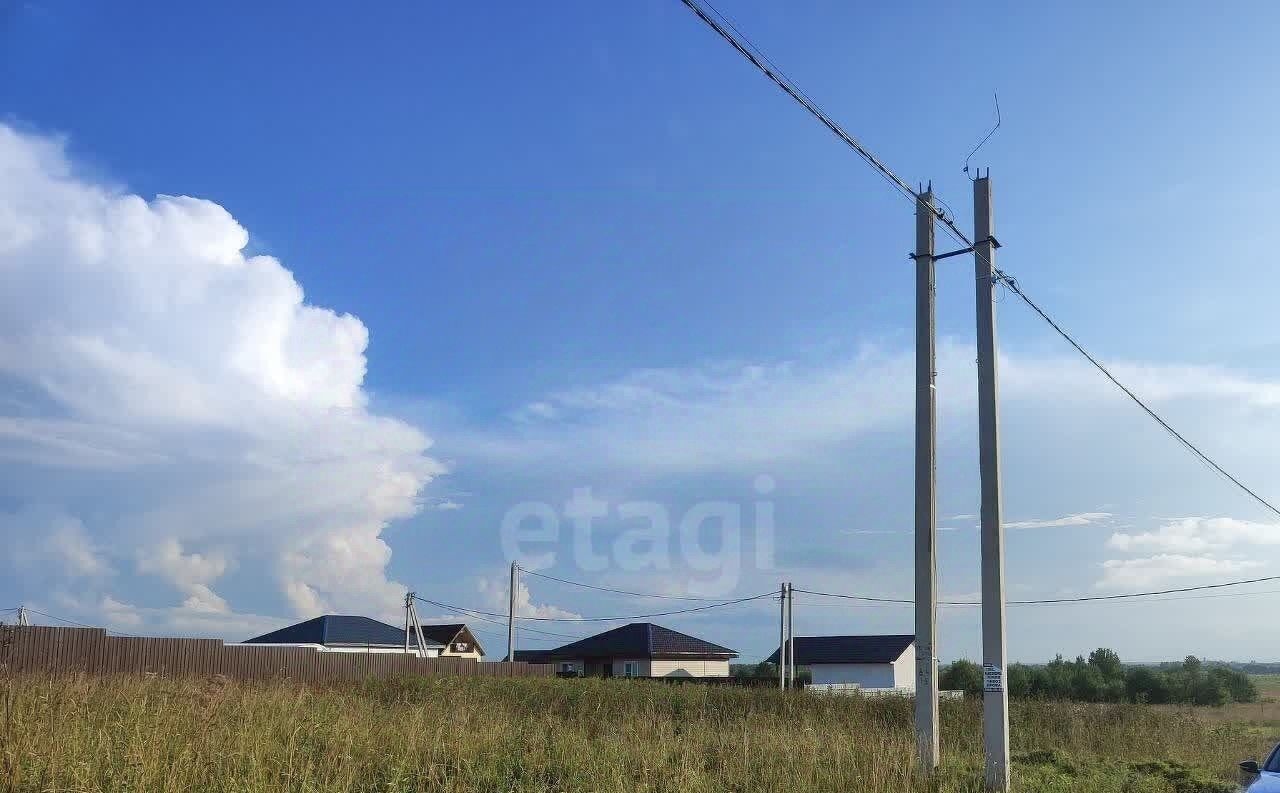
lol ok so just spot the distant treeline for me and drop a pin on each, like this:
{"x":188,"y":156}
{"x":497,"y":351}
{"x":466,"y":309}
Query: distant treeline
{"x":1254,"y":667}
{"x":766,"y":671}
{"x":1103,"y":678}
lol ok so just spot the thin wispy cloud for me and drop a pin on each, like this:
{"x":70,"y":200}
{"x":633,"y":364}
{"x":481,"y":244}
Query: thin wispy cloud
{"x":1079,"y":519}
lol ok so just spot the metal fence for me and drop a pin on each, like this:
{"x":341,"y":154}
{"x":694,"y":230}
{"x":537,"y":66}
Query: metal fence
{"x":45,"y":650}
{"x":856,"y":689}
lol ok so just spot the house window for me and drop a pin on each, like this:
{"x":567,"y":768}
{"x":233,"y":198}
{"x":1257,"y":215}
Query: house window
{"x":629,"y":669}
{"x":460,"y":647}
{"x":567,"y":668}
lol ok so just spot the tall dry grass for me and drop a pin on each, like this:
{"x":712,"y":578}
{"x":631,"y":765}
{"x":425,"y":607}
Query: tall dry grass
{"x":478,"y":734}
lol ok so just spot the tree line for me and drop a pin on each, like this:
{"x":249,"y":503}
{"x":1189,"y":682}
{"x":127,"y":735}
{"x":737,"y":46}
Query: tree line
{"x":1103,"y":678}
{"x":766,"y":671}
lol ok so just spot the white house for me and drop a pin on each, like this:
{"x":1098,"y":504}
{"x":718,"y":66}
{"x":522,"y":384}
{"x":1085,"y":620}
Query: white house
{"x":869,"y":662}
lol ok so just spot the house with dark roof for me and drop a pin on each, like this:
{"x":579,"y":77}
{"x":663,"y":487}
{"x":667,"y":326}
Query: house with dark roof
{"x":343,"y":633}
{"x":456,"y":640}
{"x":867,"y":662}
{"x":641,"y":649}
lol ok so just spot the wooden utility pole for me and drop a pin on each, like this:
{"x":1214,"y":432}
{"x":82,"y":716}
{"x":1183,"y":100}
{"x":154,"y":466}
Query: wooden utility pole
{"x":511,"y":612}
{"x":927,"y":748}
{"x":995,"y":702}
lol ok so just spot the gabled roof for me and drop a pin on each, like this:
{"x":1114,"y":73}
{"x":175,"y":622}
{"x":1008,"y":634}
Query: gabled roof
{"x":448,"y":634}
{"x":642,"y":640}
{"x":338,"y":630}
{"x":848,"y":649}
{"x":534,"y":656}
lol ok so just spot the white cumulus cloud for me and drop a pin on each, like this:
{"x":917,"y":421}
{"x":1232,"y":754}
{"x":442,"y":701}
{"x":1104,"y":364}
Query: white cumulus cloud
{"x":167,"y":391}
{"x":1197,"y":535}
{"x":1161,"y":568}
{"x":191,"y":573}
{"x":496,"y":594}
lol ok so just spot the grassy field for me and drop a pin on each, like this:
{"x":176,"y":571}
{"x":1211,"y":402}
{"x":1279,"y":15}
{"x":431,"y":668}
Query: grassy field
{"x":1268,"y":685}
{"x":478,"y":734}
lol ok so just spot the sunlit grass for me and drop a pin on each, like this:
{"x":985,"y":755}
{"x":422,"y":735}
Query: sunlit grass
{"x":478,"y":734}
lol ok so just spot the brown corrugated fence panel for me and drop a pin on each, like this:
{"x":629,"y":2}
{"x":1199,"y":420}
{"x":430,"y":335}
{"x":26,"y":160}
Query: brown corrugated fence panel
{"x":22,"y":644}
{"x":40,"y":650}
{"x":75,"y":650}
{"x":43,"y":649}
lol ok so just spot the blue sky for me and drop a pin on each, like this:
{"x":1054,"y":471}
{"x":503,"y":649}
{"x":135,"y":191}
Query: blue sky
{"x":592,"y":248}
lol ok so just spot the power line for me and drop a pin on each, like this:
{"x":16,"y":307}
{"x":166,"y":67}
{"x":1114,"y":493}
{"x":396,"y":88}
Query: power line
{"x":480,"y":615}
{"x":501,"y":637}
{"x":490,"y":633}
{"x":617,"y":591}
{"x":1188,"y":445}
{"x":1048,"y":601}
{"x":60,"y":619}
{"x":762,"y":62}
{"x":968,"y":604}
{"x":1213,"y":596}
{"x":608,"y":619}
{"x":1129,"y":595}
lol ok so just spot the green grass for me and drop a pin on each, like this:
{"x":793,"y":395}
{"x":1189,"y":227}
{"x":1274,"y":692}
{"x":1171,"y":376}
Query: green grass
{"x":482,"y":734}
{"x":1268,"y":685}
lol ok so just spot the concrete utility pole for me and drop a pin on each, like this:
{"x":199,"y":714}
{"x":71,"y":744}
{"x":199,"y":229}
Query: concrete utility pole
{"x":511,"y":613}
{"x":791,"y":638}
{"x":995,"y":702}
{"x":782,"y":637}
{"x":408,"y":604}
{"x":927,"y":749}
{"x":417,"y":632}
{"x":413,"y":626}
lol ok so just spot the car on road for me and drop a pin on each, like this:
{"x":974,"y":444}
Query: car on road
{"x":1263,"y":777}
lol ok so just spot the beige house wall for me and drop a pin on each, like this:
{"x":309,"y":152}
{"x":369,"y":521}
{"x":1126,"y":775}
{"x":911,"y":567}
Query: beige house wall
{"x":688,"y":668}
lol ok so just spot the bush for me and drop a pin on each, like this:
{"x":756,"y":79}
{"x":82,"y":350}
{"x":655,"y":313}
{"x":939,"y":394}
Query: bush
{"x":963,"y":676}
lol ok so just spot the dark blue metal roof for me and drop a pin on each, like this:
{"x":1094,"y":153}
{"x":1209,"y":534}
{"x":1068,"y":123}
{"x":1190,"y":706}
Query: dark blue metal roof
{"x":848,"y":649}
{"x":534,"y":656}
{"x":642,"y":640}
{"x":337,"y":630}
